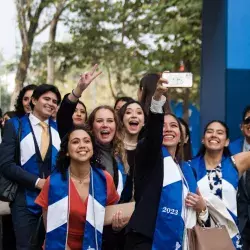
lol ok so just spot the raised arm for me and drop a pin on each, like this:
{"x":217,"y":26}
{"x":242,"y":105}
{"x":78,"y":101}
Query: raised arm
{"x":149,"y":148}
{"x":68,"y":106}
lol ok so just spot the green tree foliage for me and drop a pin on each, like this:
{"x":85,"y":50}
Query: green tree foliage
{"x":129,"y":38}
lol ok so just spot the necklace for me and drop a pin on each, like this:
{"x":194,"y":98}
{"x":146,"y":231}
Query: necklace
{"x":78,"y":179}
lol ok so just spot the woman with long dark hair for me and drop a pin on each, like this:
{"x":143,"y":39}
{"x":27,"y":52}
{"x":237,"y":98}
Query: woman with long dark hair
{"x":132,"y":119}
{"x":163,"y":186}
{"x":22,"y":105}
{"x":217,"y":173}
{"x":74,"y":198}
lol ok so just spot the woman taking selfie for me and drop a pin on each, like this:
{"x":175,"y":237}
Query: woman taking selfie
{"x":74,"y":199}
{"x":218,"y":174}
{"x":164,"y":191}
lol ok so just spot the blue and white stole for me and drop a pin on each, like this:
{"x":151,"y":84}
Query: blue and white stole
{"x":225,"y":209}
{"x":58,"y":212}
{"x":170,"y":222}
{"x":122,"y":176}
{"x":28,"y":154}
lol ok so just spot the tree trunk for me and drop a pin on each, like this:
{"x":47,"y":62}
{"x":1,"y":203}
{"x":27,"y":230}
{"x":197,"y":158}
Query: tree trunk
{"x":52,"y":38}
{"x":50,"y":57}
{"x":21,"y":73}
{"x":110,"y":83}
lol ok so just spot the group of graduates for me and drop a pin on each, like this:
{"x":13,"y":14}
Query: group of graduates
{"x":72,"y":165}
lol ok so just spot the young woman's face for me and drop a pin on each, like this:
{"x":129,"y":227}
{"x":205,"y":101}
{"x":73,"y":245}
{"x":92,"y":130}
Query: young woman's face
{"x":79,"y":116}
{"x":26,"y":101}
{"x":171,"y":132}
{"x":104,"y":126}
{"x":80,"y":146}
{"x":133,"y":119}
{"x":215,"y":137}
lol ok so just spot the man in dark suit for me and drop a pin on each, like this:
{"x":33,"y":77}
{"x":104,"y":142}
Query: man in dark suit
{"x":243,"y":198}
{"x":37,"y":137}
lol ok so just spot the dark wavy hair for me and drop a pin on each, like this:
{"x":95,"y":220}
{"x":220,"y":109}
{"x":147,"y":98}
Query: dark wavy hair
{"x":226,"y":151}
{"x":187,"y":148}
{"x":19,"y":109}
{"x":44,"y":88}
{"x":122,"y":112}
{"x":63,"y":160}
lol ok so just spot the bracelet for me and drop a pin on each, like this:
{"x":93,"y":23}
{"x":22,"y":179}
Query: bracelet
{"x":75,"y":94}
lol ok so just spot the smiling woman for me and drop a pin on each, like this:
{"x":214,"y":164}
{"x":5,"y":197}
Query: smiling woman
{"x":86,"y":188}
{"x":104,"y":124}
{"x":22,"y":105}
{"x":161,"y":183}
{"x":217,"y":174}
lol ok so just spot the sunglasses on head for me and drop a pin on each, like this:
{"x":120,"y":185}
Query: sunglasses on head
{"x":247,"y":120}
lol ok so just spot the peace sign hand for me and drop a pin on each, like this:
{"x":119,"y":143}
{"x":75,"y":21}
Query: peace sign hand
{"x":87,"y":78}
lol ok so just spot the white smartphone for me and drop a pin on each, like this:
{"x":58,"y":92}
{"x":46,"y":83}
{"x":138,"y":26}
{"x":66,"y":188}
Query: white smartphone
{"x":178,"y":79}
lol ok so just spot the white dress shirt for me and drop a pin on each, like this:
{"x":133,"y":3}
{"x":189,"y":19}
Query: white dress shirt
{"x":246,"y":146}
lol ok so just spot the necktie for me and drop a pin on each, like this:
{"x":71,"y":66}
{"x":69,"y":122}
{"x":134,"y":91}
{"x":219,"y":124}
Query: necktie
{"x":44,"y":139}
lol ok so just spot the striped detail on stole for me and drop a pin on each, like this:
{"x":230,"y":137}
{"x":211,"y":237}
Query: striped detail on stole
{"x":122,"y":176}
{"x":27,"y":144}
{"x":28,"y":155}
{"x":58,"y":212}
{"x":169,"y":229}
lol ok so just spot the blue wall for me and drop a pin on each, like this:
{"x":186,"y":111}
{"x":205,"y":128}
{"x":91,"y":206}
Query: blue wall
{"x":225,"y":76}
{"x":237,"y":62}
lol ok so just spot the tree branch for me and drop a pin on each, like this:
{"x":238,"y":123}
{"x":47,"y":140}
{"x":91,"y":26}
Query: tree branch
{"x":43,"y":28}
{"x":22,"y":22}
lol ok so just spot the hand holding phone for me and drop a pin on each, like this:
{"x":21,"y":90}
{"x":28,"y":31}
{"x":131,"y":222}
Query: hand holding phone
{"x":178,"y":79}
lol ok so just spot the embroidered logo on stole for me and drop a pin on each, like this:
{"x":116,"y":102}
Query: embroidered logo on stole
{"x":169,"y":227}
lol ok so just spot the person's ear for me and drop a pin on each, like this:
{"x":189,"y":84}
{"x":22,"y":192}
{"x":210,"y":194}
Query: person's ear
{"x":241,"y":127}
{"x":227,"y":143}
{"x":186,"y":139}
{"x":34,"y":101}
